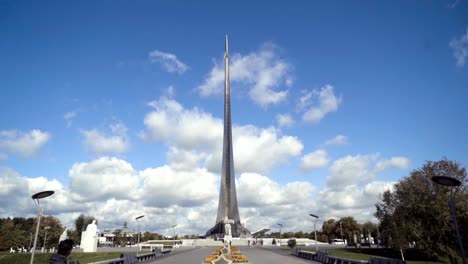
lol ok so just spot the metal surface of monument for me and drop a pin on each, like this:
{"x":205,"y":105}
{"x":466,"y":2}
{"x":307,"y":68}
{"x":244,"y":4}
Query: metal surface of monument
{"x":228,"y":211}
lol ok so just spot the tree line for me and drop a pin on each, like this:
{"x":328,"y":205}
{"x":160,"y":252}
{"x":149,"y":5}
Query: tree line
{"x":335,"y":229}
{"x":18,"y":232}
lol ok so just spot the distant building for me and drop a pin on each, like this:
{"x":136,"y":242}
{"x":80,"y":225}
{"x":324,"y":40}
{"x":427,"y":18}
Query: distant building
{"x":106,"y":238}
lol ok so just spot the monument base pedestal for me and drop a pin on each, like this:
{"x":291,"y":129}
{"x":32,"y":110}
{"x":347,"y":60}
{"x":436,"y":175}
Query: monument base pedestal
{"x":237,"y":230}
{"x":227,"y":239}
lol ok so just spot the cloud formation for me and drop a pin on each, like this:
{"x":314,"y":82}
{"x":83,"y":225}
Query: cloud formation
{"x":284,"y":120}
{"x":351,"y":186}
{"x":69,"y":116}
{"x":336,"y":141}
{"x":169,"y":123}
{"x":169,"y":61}
{"x":113,"y":191}
{"x":317,"y":103}
{"x":394,"y":162}
{"x":358,"y":169}
{"x":99,"y":143}
{"x":24,"y":144}
{"x":314,"y":160}
{"x":460,"y":48}
{"x":263,"y":72}
{"x":104,"y":178}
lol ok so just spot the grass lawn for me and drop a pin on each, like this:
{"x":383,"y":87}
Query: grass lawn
{"x":41,"y":258}
{"x":365,"y":253}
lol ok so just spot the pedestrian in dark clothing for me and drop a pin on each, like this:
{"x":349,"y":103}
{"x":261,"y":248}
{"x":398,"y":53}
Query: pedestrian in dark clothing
{"x":64,"y":249}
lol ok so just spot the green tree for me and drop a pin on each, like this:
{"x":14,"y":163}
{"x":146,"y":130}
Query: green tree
{"x":54,"y":229}
{"x":328,"y":229}
{"x":81,"y":222}
{"x":10,"y":236}
{"x":370,"y":227}
{"x":349,"y":224}
{"x":416,"y":211}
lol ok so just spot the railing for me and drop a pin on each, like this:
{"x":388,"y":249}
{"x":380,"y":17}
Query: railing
{"x":339,"y":260}
{"x":131,"y":258}
{"x":323,"y":257}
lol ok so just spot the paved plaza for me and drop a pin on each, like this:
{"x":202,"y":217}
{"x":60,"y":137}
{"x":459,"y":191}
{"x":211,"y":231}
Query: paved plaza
{"x":256,"y":255}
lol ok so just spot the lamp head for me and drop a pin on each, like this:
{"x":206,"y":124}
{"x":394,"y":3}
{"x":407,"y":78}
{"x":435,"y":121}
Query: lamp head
{"x":141,"y":216}
{"x":41,"y":195}
{"x":313,"y":215}
{"x":446,"y":181}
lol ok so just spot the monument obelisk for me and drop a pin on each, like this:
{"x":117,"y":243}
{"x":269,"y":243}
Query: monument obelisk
{"x":227,"y":219}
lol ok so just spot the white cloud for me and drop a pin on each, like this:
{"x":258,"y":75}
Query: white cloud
{"x":318,"y":103}
{"x":460,"y":48}
{"x":359,"y":169}
{"x":262,"y":71}
{"x":351,"y":188}
{"x":314,"y":160}
{"x":99,"y":143}
{"x":102,"y":179}
{"x":182,"y":188}
{"x":338,"y":140}
{"x":25,"y":144}
{"x":250,"y":141}
{"x":168,"y":61}
{"x":113,"y":191}
{"x":170,"y":122}
{"x":13,"y":193}
{"x":264,"y":203}
{"x":284,"y":120}
{"x":351,"y":169}
{"x":258,"y":190}
{"x":354,"y":196}
{"x":16,"y":190}
{"x":170,"y":91}
{"x":394,"y":162}
{"x":69,"y":116}
{"x":187,"y":129}
{"x":181,"y":159}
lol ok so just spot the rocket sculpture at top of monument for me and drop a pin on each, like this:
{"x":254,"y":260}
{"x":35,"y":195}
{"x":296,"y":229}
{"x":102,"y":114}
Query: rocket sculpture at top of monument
{"x":227,"y":207}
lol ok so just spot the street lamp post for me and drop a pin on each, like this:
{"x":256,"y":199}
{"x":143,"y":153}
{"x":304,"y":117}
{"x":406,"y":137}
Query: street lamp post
{"x":173,"y":236}
{"x":452,"y":182}
{"x":37,"y":197}
{"x":341,"y":231}
{"x":45,"y":238}
{"x":138,"y":223}
{"x":30,"y":240}
{"x":315,"y":230}
{"x":281,"y":227}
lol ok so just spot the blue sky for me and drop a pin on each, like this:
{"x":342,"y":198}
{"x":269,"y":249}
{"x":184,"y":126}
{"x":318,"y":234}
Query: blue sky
{"x":116,"y":105}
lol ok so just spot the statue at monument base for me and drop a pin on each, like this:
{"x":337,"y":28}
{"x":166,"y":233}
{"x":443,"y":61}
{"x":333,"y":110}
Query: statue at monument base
{"x":89,"y":238}
{"x":230,"y":229}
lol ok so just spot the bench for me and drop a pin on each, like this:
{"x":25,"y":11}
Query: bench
{"x":320,"y":256}
{"x":376,"y":260}
{"x":132,"y":257}
{"x":338,"y":260}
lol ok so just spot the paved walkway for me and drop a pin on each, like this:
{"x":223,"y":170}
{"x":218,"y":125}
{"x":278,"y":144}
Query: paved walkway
{"x":256,"y":255}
